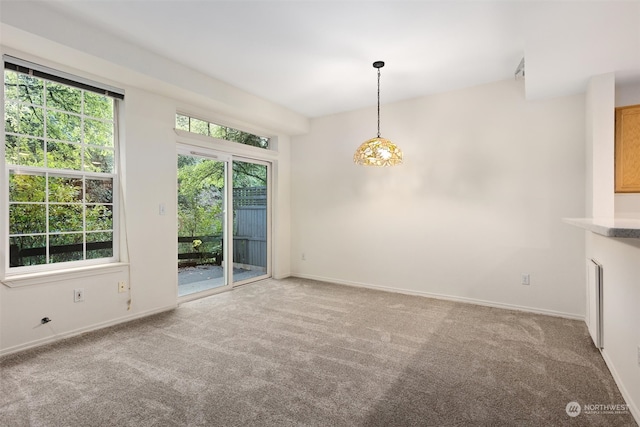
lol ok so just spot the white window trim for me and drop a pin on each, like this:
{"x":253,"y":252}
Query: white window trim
{"x":190,"y":143}
{"x":228,"y":147}
{"x":34,"y":274}
{"x":39,"y":278}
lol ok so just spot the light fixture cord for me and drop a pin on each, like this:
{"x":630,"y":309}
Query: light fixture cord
{"x":378,"y":102}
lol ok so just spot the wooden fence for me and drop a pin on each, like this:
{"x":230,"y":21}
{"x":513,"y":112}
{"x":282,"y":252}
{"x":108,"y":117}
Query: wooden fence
{"x":17,"y":256}
{"x":250,"y":226}
{"x":249,"y":231}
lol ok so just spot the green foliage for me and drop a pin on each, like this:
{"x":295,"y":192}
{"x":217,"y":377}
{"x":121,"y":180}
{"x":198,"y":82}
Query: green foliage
{"x":24,"y":119}
{"x":182,"y":122}
{"x":26,"y":113}
{"x":247,"y":174}
{"x":42,"y":199}
{"x":63,"y":126}
{"x":26,"y":188}
{"x":99,"y":190}
{"x":27,"y":219}
{"x":200,"y":196}
{"x":65,"y":218}
{"x":58,"y":240}
{"x":200,"y":192}
{"x":201,"y":199}
{"x":99,"y":217}
{"x":61,"y":155}
{"x":65,"y":189}
{"x":236,"y":135}
{"x":98,"y":106}
{"x":199,"y":126}
{"x":191,"y":124}
{"x":99,"y":159}
{"x":65,"y":98}
{"x":24,"y":151}
{"x":97,"y":132}
{"x":23,"y":87}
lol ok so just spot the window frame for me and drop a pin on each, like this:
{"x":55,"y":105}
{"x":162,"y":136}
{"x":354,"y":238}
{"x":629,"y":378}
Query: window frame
{"x":59,"y":77}
{"x":269,"y":140}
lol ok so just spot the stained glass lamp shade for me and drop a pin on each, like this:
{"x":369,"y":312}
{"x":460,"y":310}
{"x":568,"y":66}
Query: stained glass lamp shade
{"x":378,"y":151}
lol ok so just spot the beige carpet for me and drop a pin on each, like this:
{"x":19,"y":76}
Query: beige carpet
{"x":302,"y":353}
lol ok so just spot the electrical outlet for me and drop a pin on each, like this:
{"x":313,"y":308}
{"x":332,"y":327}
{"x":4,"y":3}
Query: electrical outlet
{"x":303,"y":257}
{"x":526,"y":280}
{"x":122,"y":287}
{"x":78,"y":295}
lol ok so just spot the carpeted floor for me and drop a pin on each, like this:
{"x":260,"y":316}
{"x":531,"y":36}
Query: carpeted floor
{"x":302,"y":353}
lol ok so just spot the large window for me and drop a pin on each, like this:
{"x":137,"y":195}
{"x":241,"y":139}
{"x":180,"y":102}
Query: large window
{"x":61,"y":162}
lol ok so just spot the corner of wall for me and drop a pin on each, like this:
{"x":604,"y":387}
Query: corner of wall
{"x":599,"y":135}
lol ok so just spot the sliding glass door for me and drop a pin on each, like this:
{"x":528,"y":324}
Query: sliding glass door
{"x":209,"y":183}
{"x":202,"y":200}
{"x":250,"y":220}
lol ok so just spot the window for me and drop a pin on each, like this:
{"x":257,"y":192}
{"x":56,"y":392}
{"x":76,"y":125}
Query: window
{"x":61,"y":159}
{"x":202,"y":127}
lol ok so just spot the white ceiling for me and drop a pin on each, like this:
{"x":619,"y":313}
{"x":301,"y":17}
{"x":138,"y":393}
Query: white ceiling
{"x":315,"y":57}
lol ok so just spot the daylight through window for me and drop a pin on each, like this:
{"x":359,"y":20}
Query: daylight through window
{"x":202,"y":127}
{"x":61,"y":155}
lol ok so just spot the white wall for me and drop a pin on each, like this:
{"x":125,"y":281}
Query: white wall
{"x":620,"y":258}
{"x":281,"y":224}
{"x":479,"y":200}
{"x":150,"y":170}
{"x":600,"y":145}
{"x":148,"y":148}
{"x":148,"y":151}
{"x":627,"y":94}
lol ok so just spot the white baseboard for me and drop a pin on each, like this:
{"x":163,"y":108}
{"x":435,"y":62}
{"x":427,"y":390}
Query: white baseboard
{"x":444,"y":297}
{"x":633,"y":408}
{"x":79,"y":331}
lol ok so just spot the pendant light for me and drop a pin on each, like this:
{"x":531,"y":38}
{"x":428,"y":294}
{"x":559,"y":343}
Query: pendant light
{"x":378,"y":151}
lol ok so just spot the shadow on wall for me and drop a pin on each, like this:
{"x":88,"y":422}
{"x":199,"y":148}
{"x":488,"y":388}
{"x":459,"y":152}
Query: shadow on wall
{"x":452,"y":171}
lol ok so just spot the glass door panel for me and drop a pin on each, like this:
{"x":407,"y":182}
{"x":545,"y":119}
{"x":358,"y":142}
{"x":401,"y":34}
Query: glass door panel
{"x":201,"y":223}
{"x":250,"y":220}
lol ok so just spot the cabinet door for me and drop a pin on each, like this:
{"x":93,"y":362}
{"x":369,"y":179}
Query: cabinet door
{"x":628,"y":149}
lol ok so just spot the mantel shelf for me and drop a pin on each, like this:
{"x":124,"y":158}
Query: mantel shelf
{"x":609,"y":227}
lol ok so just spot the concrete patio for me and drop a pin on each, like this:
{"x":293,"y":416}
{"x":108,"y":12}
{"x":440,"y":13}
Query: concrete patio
{"x":205,"y":277}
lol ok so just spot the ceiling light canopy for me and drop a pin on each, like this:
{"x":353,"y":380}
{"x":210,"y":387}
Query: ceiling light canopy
{"x":378,"y":151}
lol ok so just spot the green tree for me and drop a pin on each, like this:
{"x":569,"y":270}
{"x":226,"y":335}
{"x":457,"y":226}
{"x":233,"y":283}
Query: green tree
{"x":57,"y":127}
{"x":200,"y":196}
